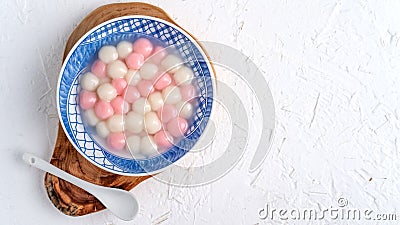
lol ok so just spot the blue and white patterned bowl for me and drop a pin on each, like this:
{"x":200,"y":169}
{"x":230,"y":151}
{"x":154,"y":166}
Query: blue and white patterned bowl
{"x":78,"y":61}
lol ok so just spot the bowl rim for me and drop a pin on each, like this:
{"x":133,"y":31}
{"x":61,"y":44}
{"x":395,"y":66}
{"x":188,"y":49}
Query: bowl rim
{"x":81,"y":39}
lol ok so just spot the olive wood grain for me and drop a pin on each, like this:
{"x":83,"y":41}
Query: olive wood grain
{"x":68,"y":198}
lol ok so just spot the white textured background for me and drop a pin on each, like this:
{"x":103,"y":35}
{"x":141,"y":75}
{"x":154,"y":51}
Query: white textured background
{"x":334,"y":71}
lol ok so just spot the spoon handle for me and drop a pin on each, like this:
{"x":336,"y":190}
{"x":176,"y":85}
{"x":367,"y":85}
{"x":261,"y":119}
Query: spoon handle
{"x":47,"y":167}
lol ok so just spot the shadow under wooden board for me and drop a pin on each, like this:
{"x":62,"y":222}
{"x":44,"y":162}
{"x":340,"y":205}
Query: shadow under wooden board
{"x":69,"y":199}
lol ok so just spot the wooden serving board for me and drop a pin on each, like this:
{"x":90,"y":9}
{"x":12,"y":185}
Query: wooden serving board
{"x":69,"y":199}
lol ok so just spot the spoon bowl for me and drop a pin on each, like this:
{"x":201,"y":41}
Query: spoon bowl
{"x":120,"y":202}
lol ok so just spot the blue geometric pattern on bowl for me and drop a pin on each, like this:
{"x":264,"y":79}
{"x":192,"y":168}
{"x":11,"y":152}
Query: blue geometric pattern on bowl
{"x":83,"y":55}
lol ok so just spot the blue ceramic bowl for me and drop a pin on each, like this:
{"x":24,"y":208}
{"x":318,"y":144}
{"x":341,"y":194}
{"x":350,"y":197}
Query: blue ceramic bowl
{"x":83,"y":54}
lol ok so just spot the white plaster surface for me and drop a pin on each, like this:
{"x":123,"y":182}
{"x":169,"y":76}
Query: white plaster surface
{"x":333,"y":67}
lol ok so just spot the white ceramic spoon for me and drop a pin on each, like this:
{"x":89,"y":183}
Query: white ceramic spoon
{"x":120,"y":202}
